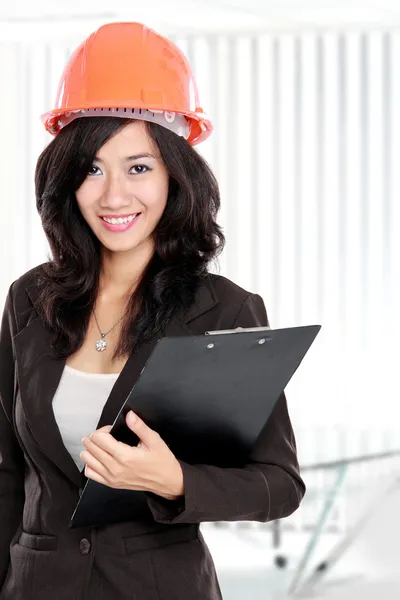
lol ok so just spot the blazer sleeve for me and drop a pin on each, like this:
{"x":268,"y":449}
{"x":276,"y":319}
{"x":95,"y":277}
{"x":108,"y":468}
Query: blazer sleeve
{"x":11,"y":456}
{"x":269,"y":487}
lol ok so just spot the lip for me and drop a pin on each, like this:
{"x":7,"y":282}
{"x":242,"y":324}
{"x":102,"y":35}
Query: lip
{"x":118,"y":216}
{"x":118,"y":227}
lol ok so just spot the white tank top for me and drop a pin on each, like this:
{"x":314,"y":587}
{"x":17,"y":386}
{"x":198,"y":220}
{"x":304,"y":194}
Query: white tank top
{"x":77,"y":406}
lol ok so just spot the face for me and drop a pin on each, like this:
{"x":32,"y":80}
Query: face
{"x":125,"y":192}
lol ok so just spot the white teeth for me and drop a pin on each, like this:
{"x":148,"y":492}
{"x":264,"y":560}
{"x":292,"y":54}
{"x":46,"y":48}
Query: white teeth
{"x":120,"y":220}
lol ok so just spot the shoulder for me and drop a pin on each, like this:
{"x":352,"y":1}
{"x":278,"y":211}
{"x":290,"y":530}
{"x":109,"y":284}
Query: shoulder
{"x":23,"y":292}
{"x":27,"y":279}
{"x":229,"y":304}
{"x":26,"y":282}
{"x":226,"y":290}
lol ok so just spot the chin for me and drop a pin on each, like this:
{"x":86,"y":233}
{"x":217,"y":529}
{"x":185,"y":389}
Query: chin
{"x":120,"y":247}
{"x":126,"y":245}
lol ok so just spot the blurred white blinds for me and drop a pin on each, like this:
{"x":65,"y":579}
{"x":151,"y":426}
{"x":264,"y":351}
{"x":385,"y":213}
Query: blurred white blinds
{"x":306,"y":145}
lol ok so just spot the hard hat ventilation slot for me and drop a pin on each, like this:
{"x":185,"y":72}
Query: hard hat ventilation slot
{"x":174,"y":121}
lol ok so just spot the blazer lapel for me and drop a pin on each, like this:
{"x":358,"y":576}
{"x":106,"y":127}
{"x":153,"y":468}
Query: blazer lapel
{"x":38,"y":379}
{"x":179,"y":325}
{"x":131,"y":373}
{"x":125,"y":382}
{"x":39,"y":376}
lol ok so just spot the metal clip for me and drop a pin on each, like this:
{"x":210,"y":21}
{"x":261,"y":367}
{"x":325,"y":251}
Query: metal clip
{"x":238,"y":330}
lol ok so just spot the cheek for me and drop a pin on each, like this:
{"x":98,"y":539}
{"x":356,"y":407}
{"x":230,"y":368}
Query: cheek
{"x":85,"y":197}
{"x":154,"y":197}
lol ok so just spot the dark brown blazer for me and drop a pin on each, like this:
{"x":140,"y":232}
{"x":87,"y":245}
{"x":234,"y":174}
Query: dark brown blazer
{"x":161,"y":555}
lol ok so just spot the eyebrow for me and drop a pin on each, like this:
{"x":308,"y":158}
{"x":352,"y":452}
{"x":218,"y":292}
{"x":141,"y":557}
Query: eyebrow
{"x":128,"y":158}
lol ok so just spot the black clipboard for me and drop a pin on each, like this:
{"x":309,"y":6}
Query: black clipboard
{"x":208,"y":396}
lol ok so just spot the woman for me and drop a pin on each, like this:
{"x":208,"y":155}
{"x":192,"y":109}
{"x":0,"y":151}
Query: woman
{"x":129,"y":209}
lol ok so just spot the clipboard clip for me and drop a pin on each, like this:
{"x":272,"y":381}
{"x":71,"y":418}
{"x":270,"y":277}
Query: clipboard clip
{"x":237,"y":330}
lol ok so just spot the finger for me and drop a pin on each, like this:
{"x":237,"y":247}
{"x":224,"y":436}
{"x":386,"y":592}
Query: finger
{"x":105,"y":429}
{"x":100,"y":450}
{"x":105,"y":441}
{"x":148,"y":436}
{"x":91,"y":474}
{"x":93,"y":463}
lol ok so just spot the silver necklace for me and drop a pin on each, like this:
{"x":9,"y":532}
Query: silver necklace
{"x":101,"y":344}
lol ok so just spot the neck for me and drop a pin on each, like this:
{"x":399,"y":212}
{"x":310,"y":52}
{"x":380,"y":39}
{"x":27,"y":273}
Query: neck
{"x":121,"y":272}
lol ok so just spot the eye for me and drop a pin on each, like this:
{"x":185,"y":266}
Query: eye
{"x":94,"y":168}
{"x":139,"y":169}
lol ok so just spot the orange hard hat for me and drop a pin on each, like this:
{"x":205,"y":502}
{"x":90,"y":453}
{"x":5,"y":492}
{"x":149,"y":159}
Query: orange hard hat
{"x":129,"y":70}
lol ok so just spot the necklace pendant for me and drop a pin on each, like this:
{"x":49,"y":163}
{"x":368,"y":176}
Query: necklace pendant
{"x":101,"y":345}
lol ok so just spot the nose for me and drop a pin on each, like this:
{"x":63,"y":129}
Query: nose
{"x":115,"y":195}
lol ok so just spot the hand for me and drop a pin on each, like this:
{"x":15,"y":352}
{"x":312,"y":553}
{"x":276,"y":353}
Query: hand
{"x":150,"y":466}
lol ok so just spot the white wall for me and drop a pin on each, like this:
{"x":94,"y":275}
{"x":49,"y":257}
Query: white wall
{"x":305,"y":148}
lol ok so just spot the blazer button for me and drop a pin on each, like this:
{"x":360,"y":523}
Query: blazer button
{"x":84,"y":546}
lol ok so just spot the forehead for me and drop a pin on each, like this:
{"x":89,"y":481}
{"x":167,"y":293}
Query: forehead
{"x":132,"y":139}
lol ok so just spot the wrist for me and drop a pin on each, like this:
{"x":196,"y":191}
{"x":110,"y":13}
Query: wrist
{"x":175,"y":489}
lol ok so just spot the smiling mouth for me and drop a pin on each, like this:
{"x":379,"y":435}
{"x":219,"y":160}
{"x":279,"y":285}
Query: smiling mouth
{"x":120,"y":220}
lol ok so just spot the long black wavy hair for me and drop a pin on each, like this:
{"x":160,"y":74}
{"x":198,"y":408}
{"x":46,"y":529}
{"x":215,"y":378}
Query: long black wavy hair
{"x":187,"y":237}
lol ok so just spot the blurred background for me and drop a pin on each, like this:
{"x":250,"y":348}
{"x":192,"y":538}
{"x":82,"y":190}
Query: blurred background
{"x":305,"y":100}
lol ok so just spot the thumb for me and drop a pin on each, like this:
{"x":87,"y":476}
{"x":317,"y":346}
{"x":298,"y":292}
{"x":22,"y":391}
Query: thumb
{"x":146,"y":435}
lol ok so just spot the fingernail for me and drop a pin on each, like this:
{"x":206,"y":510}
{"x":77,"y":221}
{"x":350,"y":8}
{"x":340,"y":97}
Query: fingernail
{"x":83,"y":439}
{"x":132,"y":416}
